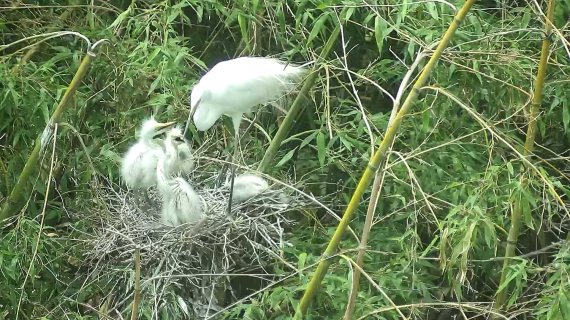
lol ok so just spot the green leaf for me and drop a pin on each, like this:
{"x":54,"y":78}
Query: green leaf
{"x":302,"y":260}
{"x":153,"y":85}
{"x":432,"y":10}
{"x":321,"y":148}
{"x":173,"y":15}
{"x":347,"y":13}
{"x":510,"y":168}
{"x":120,"y":18}
{"x":199,"y":13}
{"x":525,"y":20}
{"x":346,"y":142}
{"x":403,"y":12}
{"x":380,"y":32}
{"x":243,"y":21}
{"x":45,"y":110}
{"x":564,"y":305}
{"x":152,"y":56}
{"x":308,"y":139}
{"x":319,"y":24}
{"x":286,"y":158}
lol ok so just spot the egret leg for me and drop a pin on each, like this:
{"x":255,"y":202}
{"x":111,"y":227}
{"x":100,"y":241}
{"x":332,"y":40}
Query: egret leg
{"x":146,"y":197}
{"x":236,"y":119}
{"x":233,"y":173}
{"x":144,"y":200}
{"x":222,"y":175}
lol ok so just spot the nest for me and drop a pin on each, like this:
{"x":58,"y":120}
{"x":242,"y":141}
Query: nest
{"x":190,"y":269}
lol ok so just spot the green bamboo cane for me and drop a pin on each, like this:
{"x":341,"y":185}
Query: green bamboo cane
{"x":516,"y":214}
{"x":375,"y":163}
{"x":296,"y":107}
{"x":11,"y":206}
{"x":375,"y":195}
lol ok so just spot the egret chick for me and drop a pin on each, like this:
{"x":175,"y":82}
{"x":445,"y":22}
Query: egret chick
{"x":247,"y":186}
{"x":183,"y":163}
{"x":138,"y":167}
{"x":180,"y":202}
{"x":236,"y":86}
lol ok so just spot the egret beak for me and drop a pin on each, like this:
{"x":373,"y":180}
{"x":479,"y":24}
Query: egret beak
{"x":190,"y":116}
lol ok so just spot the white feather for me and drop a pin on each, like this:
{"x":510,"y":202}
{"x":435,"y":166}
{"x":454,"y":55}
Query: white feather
{"x":236,"y":86}
{"x":138,"y":167}
{"x":247,"y":186}
{"x":180,"y":202}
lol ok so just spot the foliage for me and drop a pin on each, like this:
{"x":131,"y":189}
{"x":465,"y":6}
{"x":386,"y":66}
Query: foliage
{"x":444,"y":211}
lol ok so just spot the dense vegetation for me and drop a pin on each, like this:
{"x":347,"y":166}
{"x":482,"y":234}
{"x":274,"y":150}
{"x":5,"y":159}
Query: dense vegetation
{"x":453,"y":177}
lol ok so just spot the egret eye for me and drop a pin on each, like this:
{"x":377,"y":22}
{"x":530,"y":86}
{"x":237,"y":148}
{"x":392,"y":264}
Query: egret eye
{"x":178,"y":139}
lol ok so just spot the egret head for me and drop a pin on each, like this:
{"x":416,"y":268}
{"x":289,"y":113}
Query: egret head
{"x":174,"y":137}
{"x":151,"y":129}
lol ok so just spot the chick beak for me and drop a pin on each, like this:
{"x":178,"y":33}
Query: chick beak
{"x":164,"y":125}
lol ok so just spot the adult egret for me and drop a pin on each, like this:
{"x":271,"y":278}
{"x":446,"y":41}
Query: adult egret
{"x":180,"y":203}
{"x":183,"y":163}
{"x":247,"y":186}
{"x":138,"y":167}
{"x":236,"y":86}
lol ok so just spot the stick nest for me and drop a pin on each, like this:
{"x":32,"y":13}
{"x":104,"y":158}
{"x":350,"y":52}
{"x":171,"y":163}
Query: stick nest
{"x":190,"y":265}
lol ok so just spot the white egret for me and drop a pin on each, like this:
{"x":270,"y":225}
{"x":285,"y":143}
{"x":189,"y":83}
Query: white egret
{"x":236,"y":86}
{"x":138,"y":167}
{"x":180,"y":202}
{"x":183,"y":163}
{"x":247,"y":186}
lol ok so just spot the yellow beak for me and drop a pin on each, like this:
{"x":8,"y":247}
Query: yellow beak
{"x":164,"y":125}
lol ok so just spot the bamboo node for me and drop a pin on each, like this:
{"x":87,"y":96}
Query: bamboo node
{"x":46,"y":136}
{"x":373,"y":167}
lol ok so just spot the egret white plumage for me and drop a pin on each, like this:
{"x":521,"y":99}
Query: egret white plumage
{"x":183,"y":163}
{"x":180,"y":202}
{"x":138,"y":167}
{"x":247,"y":186}
{"x":236,"y":86}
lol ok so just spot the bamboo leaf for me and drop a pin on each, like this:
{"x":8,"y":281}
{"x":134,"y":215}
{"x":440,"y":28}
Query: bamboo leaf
{"x":243,"y":27}
{"x":380,"y":32}
{"x":317,"y":27}
{"x":321,"y":148}
{"x":286,"y":158}
{"x":308,"y":139}
{"x":432,"y":10}
{"x":302,"y":260}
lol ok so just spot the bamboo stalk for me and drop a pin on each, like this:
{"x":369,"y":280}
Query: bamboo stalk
{"x":375,"y":195}
{"x":11,"y":206}
{"x":375,"y":162}
{"x":516,"y":214}
{"x":296,"y":108}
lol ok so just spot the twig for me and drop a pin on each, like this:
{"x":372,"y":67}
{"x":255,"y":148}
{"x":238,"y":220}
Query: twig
{"x":137,"y":298}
